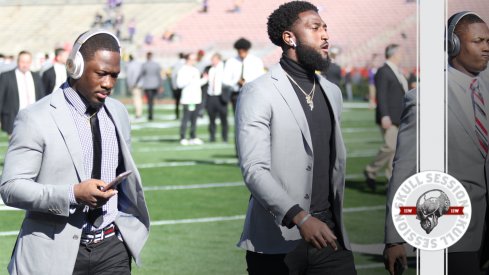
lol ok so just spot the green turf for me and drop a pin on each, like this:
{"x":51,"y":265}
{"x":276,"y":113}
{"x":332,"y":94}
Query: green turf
{"x":209,"y":248}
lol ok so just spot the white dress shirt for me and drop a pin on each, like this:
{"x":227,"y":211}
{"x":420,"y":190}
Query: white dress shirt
{"x":253,"y":68}
{"x":216,"y":77}
{"x":27,"y":92}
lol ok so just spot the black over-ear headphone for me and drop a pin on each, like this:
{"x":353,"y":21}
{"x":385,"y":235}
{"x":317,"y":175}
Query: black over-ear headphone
{"x":75,"y":62}
{"x":453,"y":42}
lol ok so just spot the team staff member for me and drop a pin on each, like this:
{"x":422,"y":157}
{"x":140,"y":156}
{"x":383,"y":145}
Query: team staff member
{"x":64,"y":148}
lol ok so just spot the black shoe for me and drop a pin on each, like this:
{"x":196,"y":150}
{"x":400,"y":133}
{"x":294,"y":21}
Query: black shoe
{"x":370,"y":181}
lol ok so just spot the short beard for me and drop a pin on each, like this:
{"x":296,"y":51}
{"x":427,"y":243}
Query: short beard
{"x":310,"y":59}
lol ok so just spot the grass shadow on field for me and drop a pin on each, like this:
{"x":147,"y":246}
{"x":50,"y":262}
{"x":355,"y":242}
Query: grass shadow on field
{"x":361,"y":186}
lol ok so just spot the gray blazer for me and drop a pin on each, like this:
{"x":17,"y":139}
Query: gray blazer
{"x":465,"y":163}
{"x":276,"y":158}
{"x":150,"y":77}
{"x":43,"y":160}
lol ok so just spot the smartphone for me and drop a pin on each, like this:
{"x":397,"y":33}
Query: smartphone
{"x":113,"y":184}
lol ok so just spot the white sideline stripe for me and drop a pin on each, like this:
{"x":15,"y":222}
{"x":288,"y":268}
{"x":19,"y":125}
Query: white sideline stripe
{"x":192,"y":186}
{"x":218,"y":219}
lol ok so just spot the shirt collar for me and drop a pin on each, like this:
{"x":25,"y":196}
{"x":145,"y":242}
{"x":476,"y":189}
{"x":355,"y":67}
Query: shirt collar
{"x":460,"y":78}
{"x":74,"y":99}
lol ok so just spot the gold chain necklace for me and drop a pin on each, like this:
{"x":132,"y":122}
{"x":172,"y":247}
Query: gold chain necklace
{"x":310,"y":96}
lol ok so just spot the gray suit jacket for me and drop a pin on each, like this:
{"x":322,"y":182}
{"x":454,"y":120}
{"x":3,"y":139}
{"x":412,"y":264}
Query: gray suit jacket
{"x":276,"y":158}
{"x":465,"y":163}
{"x":43,"y":160}
{"x":150,"y":77}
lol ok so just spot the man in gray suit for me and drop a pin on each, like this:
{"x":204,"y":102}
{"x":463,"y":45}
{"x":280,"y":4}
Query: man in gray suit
{"x":151,"y":80}
{"x":466,"y":152}
{"x":292,"y":155}
{"x":64,"y":150}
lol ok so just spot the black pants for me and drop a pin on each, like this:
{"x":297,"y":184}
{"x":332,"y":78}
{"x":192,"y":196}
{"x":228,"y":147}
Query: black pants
{"x":105,"y":258}
{"x":192,"y":116}
{"x":150,"y":95}
{"x":463,"y":263}
{"x":216,"y":107}
{"x":305,"y":259}
{"x":177,"y":94}
{"x":234,"y":100}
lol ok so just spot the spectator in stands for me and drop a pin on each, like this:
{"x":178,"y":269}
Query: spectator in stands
{"x":19,"y":88}
{"x":189,"y":80}
{"x":236,"y":6}
{"x":177,"y":92}
{"x":151,"y":81}
{"x":243,"y":68}
{"x":205,"y":6}
{"x":56,"y":75}
{"x":133,"y":71}
{"x":217,"y":99}
{"x":390,"y":86}
{"x":294,"y":223}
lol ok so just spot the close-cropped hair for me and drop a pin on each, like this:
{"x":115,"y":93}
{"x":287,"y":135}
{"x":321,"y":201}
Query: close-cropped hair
{"x":98,"y":42}
{"x":283,"y":18}
{"x":390,"y":50}
{"x":58,"y":51}
{"x":465,"y":21}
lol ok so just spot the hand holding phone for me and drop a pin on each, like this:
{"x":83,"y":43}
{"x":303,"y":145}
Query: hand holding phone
{"x":113,"y":184}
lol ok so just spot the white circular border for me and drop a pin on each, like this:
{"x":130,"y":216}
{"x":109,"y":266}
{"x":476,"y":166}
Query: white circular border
{"x":416,"y":237}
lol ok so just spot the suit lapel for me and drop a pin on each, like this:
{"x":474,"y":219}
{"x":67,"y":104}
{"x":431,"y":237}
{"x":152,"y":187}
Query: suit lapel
{"x":458,"y":112}
{"x":287,"y":91}
{"x":66,"y":126}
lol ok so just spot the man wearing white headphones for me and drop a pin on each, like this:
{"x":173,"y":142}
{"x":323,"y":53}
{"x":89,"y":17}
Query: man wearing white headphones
{"x":64,"y":151}
{"x":467,"y":124}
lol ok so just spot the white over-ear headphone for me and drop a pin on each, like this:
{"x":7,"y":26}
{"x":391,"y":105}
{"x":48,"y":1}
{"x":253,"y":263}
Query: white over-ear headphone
{"x":75,"y":63}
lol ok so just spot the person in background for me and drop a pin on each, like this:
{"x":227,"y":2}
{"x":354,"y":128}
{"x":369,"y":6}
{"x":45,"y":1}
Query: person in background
{"x":244,"y":67}
{"x":133,"y":71}
{"x":56,"y":75}
{"x":190,"y":82}
{"x":390,"y":87}
{"x":19,"y":88}
{"x":151,"y":81}
{"x":217,"y":99}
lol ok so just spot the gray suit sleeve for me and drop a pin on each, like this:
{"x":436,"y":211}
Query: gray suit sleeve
{"x":253,"y":137}
{"x":23,"y":161}
{"x":404,"y":162}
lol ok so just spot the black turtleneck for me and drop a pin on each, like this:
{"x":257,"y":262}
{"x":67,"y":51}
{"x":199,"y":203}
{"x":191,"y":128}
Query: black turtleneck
{"x":321,"y":126}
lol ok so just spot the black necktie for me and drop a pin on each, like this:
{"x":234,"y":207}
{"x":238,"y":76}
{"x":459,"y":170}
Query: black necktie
{"x":95,"y":216}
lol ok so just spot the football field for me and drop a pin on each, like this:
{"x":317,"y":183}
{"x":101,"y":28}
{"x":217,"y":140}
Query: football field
{"x":197,"y":199}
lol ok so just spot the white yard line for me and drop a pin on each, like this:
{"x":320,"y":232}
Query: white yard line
{"x":219,"y":219}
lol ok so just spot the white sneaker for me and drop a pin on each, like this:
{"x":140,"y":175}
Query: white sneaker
{"x":196,"y":141}
{"x":184,"y":142}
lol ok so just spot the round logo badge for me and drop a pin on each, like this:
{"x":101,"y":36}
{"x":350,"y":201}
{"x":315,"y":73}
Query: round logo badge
{"x":431,"y":210}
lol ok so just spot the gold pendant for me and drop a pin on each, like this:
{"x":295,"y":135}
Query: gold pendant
{"x":309,"y":101}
